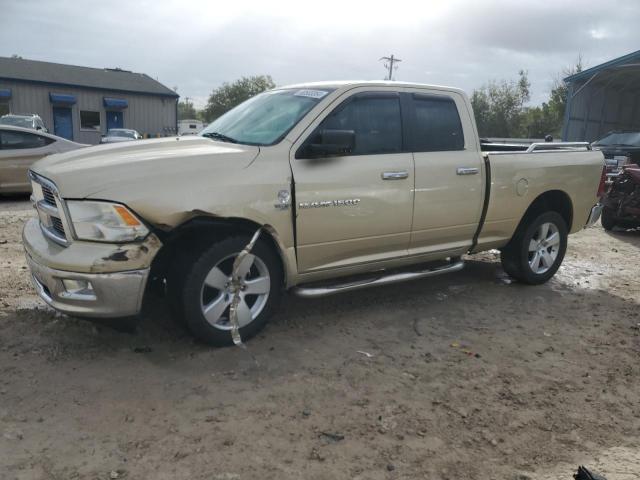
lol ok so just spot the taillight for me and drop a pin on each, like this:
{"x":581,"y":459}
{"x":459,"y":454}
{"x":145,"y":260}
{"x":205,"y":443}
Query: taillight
{"x":603,"y":182}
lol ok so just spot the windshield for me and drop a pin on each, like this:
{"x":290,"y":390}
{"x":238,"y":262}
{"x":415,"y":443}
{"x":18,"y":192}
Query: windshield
{"x":17,"y":121}
{"x":266,"y":118}
{"x":620,"y":138}
{"x":121,"y":133}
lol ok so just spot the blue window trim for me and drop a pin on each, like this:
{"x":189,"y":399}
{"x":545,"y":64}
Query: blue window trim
{"x":62,"y":99}
{"x":115,"y":103}
{"x":5,"y":93}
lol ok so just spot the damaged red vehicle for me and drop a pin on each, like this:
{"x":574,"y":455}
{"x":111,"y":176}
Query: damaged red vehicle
{"x":622,"y":200}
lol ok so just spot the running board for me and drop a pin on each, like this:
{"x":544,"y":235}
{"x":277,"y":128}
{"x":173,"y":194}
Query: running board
{"x":388,"y":279}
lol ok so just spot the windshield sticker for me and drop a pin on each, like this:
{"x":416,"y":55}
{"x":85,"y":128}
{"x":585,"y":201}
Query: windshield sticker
{"x":311,"y":93}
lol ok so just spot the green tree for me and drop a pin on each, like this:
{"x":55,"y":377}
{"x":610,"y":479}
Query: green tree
{"x":186,"y":110}
{"x":229,"y":95}
{"x":499,"y":107}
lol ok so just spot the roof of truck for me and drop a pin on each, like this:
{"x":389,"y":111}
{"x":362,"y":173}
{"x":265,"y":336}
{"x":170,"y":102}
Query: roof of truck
{"x":369,"y":83}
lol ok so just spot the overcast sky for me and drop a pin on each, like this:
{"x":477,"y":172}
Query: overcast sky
{"x":197,"y":44}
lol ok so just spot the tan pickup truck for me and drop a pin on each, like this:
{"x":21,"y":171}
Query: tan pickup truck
{"x":323,"y":187}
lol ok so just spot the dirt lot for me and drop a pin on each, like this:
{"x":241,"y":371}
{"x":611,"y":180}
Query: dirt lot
{"x":467,"y":377}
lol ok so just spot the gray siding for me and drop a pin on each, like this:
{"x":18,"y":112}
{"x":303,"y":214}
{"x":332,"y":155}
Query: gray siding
{"x":148,"y":114}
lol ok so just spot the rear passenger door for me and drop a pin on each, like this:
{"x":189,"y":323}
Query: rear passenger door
{"x":356,"y":208}
{"x":449,"y":184}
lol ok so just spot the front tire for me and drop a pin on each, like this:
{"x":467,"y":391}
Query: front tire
{"x":537,"y":249}
{"x":203,"y":298}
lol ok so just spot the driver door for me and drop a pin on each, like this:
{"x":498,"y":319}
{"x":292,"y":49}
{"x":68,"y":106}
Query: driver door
{"x":356,"y":208}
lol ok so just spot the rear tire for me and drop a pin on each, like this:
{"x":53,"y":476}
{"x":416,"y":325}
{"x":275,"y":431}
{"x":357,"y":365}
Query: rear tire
{"x":200,"y":295}
{"x":537,"y":249}
{"x":608,"y":218}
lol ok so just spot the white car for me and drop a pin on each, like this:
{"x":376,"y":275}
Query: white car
{"x":19,"y":149}
{"x":116,"y":135}
{"x":32,"y":121}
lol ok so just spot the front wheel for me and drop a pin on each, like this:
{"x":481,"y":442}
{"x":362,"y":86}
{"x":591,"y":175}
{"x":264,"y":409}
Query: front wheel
{"x":537,"y":249}
{"x":205,"y":294}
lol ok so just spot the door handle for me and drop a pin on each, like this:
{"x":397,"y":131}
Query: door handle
{"x":395,"y":175}
{"x":467,"y":171}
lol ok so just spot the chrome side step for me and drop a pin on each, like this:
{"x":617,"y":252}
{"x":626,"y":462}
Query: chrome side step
{"x":382,"y":279}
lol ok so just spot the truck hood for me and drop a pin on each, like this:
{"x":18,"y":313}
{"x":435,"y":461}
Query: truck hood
{"x":88,"y":171}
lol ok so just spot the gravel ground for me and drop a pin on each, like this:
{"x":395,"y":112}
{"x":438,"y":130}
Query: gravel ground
{"x":459,"y":377}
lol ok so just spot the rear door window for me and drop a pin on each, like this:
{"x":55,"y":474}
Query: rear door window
{"x":21,"y":140}
{"x":436,"y":125}
{"x":375,"y":119}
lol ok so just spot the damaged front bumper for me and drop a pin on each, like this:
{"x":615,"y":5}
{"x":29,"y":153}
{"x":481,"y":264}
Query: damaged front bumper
{"x":89,"y":279}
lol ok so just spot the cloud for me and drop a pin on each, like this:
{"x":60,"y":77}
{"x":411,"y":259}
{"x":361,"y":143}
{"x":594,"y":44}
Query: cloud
{"x":200,"y":44}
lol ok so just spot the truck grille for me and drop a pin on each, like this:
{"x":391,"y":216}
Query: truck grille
{"x":50,"y":208}
{"x":48,"y":195}
{"x":56,"y":224}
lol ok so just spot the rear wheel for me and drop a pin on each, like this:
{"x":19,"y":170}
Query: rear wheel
{"x":537,"y":249}
{"x":204,"y":296}
{"x":608,"y":218}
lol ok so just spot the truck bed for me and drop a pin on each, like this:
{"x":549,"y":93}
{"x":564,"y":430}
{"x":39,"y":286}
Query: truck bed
{"x":569,"y":169}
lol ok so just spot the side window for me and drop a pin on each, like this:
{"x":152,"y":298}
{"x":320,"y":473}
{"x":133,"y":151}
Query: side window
{"x":437,"y":126}
{"x":375,"y":120}
{"x":89,"y":120}
{"x":18,"y":140}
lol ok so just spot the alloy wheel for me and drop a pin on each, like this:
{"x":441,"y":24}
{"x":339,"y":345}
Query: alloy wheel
{"x":543,"y":248}
{"x":217,"y":291}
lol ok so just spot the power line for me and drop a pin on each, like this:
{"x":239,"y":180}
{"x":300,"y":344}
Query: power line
{"x":389,"y":61}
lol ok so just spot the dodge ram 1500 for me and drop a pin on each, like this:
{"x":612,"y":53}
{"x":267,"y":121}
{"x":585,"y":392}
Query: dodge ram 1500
{"x":324,"y":187}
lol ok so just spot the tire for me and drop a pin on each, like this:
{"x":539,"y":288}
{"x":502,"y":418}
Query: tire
{"x":608,"y":218}
{"x":524,"y":258}
{"x":200,"y":298}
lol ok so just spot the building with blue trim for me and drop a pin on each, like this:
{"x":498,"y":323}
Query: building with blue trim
{"x":82,"y":103}
{"x":603,"y":98}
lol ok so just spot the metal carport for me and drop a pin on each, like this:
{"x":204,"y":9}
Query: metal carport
{"x":603,"y":98}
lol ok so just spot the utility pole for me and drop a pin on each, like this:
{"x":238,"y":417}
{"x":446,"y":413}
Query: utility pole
{"x":389,"y":61}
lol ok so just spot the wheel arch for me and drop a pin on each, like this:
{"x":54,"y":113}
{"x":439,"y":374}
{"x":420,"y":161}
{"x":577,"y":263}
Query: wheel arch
{"x":202,"y":230}
{"x":549,"y":201}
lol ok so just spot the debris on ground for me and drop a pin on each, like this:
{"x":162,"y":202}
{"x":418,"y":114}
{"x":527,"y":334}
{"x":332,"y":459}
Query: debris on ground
{"x":332,"y":437}
{"x":366,"y":354}
{"x":584,"y":474}
{"x":465,"y":349}
{"x":142,"y":350}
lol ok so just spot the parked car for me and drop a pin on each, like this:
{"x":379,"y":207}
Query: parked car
{"x":34,"y":122}
{"x":320,"y":188}
{"x":120,"y":135}
{"x":620,"y":147}
{"x":19,"y":148}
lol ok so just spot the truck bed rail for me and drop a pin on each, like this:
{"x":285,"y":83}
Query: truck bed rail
{"x":536,"y":147}
{"x":542,"y":146}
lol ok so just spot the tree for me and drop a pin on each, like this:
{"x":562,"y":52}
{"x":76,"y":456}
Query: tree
{"x":499,"y":107}
{"x":548,"y":119}
{"x":229,"y":95}
{"x":186,"y":110}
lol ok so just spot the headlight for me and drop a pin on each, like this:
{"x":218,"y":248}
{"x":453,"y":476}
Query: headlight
{"x":105,"y":222}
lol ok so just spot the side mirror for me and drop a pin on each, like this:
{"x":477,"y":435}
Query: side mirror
{"x":38,"y":127}
{"x":332,"y":143}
